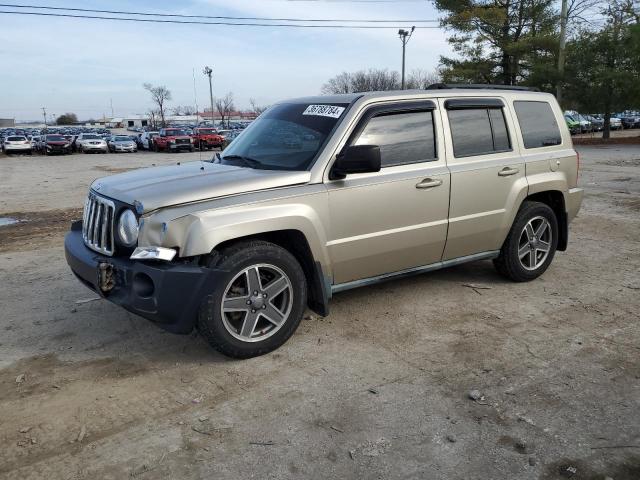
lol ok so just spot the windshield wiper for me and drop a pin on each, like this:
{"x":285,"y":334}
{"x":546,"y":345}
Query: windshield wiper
{"x":248,"y":161}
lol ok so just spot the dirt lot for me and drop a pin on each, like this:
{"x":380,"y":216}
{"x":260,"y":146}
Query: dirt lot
{"x":380,"y":389}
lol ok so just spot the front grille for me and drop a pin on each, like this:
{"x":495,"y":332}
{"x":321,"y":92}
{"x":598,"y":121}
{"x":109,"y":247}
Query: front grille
{"x":97,"y":224}
{"x":182,"y":141}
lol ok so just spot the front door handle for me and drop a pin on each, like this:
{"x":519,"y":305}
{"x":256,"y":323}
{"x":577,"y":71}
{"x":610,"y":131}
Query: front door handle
{"x":506,"y":171}
{"x":429,"y":183}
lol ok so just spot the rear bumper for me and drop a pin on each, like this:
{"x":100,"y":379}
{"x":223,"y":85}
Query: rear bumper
{"x":168,"y":294}
{"x":573,"y":201}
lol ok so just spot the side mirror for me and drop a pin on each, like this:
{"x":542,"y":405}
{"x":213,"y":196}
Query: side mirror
{"x":356,"y":159}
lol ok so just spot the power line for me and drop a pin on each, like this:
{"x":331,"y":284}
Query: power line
{"x":218,"y":17}
{"x":197,"y":22}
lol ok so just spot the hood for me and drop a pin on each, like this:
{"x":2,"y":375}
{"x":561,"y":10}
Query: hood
{"x":158,"y":187}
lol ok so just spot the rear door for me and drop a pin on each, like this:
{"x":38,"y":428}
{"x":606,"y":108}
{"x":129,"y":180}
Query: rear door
{"x":394,"y":219}
{"x":487,"y":173}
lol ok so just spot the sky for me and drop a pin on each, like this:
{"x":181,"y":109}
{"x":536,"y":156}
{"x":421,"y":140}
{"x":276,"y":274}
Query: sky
{"x":84,"y":65}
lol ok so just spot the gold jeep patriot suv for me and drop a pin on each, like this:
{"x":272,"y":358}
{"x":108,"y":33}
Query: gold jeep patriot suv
{"x":323,"y":194}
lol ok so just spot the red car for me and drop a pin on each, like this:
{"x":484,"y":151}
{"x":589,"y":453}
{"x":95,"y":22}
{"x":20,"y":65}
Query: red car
{"x":172,"y":140}
{"x":206,"y":138}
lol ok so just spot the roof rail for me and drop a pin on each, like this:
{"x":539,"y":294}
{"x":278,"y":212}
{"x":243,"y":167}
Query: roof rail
{"x":479,"y":86}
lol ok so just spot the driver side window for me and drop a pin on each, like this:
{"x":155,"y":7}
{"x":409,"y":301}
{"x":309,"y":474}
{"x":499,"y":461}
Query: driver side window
{"x":403,"y":137}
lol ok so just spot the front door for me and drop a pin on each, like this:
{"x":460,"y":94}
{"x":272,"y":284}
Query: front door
{"x":395,"y":219}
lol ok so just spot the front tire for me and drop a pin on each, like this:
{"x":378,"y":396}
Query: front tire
{"x":531,"y":244}
{"x":258,"y":304}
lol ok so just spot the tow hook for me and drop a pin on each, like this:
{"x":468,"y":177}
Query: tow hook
{"x":107,"y":278}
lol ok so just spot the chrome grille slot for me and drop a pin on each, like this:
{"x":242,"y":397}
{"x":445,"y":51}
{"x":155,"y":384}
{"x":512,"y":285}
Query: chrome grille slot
{"x":97,"y":224}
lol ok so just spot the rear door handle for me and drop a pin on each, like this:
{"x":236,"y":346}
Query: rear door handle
{"x":429,"y":183}
{"x":506,"y":171}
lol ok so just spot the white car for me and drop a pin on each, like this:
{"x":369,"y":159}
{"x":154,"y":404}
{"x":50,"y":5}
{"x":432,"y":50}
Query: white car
{"x":616,"y":123}
{"x":17,"y":144}
{"x":146,"y":138}
{"x":91,"y":142}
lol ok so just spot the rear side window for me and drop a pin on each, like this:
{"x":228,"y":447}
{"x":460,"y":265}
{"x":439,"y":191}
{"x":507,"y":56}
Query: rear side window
{"x":478,"y":131}
{"x":538,"y":124}
{"x":403,"y":138}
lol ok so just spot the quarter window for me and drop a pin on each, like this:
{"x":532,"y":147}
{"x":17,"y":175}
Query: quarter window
{"x":538,"y":124}
{"x":403,"y":138}
{"x":478,"y":131}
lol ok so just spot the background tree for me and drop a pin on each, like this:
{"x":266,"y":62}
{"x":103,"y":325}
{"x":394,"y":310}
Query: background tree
{"x":255,"y":108}
{"x":497,"y":41}
{"x":160,"y":95}
{"x":183,"y":110}
{"x":154,"y":118}
{"x":421,"y":79}
{"x":67,"y":119}
{"x":225,"y":106}
{"x":604,"y":66}
{"x":362,"y":81}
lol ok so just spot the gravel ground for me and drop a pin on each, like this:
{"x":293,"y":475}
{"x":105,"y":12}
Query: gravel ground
{"x":379,"y":389}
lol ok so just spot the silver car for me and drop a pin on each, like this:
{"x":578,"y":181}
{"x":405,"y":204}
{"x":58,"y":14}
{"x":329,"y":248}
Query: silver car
{"x":122,"y":143}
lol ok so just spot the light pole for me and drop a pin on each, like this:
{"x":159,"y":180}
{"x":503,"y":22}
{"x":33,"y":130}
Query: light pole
{"x":208,"y":71}
{"x":404,"y":38}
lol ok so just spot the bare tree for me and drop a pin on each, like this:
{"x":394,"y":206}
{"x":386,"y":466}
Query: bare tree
{"x":421,"y":79}
{"x":183,"y":110}
{"x":225,"y":106}
{"x":363,"y":81}
{"x":338,"y":84}
{"x":159,"y":94}
{"x":154,"y":118}
{"x":255,"y":108}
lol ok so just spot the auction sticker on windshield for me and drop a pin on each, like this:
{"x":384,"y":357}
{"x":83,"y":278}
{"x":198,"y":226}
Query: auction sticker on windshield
{"x":324,"y":111}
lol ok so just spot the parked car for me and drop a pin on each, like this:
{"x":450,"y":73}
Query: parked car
{"x":172,"y":140}
{"x":630,"y":120}
{"x":52,"y":144}
{"x":206,"y":138}
{"x":122,"y":143}
{"x":145,"y":140}
{"x":91,"y":142}
{"x":615,"y":123}
{"x":597,"y":124}
{"x":17,"y":144}
{"x":395,"y":183}
{"x":572,"y":124}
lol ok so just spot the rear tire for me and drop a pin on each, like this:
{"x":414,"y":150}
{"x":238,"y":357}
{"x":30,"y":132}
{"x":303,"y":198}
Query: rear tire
{"x":531,"y":244}
{"x":245,"y":330}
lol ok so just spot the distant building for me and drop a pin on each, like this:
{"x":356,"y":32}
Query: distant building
{"x":129,"y":121}
{"x":7,"y":122}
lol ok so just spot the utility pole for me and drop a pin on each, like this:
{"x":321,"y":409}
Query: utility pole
{"x":44,"y":115}
{"x":111,"y":100}
{"x":561,"y":49}
{"x":208,"y":71}
{"x":404,"y":38}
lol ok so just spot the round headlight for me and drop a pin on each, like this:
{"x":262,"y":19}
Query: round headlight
{"x":128,"y":228}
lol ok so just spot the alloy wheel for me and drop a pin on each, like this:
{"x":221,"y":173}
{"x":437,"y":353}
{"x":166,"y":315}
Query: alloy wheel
{"x":257,"y":302}
{"x":535,"y":243}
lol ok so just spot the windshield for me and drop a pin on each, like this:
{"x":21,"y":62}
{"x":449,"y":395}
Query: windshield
{"x":285,"y":137}
{"x":55,"y":138}
{"x":174,"y":133}
{"x":206,"y":131}
{"x":121,"y":139}
{"x":91,"y":137}
{"x":16,"y":139}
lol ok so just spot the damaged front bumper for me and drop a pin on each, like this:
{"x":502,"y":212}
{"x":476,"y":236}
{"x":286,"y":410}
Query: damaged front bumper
{"x":168,"y":294}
